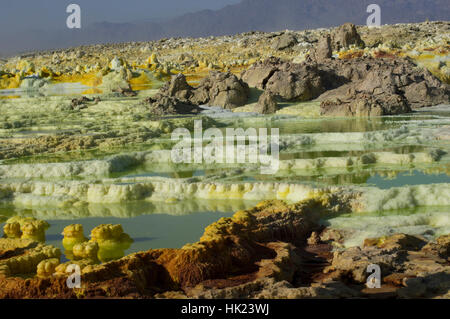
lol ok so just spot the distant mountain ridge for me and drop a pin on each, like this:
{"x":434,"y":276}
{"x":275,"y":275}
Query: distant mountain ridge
{"x":248,"y":15}
{"x":275,"y":15}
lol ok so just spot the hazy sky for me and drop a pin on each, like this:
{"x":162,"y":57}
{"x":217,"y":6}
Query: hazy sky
{"x":22,"y":15}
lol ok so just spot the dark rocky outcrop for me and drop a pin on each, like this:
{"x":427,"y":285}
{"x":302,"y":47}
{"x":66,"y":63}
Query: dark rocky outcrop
{"x":380,"y":87}
{"x":284,"y":41}
{"x":177,"y":87}
{"x":127,"y":92}
{"x":346,"y":35}
{"x":350,"y":87}
{"x":217,"y":89}
{"x":82,"y":102}
{"x":323,"y":50}
{"x":221,"y":89}
{"x":267,"y":103}
{"x":161,"y":104}
{"x":352,"y":103}
{"x":290,"y":81}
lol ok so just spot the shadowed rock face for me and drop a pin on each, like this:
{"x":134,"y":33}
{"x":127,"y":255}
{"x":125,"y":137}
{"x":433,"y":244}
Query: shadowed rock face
{"x":284,"y":41}
{"x":221,"y":89}
{"x":352,"y":103}
{"x":361,"y":86}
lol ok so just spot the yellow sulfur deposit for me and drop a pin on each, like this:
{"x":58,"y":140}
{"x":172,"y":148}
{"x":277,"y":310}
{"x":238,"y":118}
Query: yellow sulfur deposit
{"x":25,"y":66}
{"x":140,"y":82}
{"x":244,"y":217}
{"x":92,"y":79}
{"x":28,"y":262}
{"x":73,"y":234}
{"x":111,"y":240}
{"x":30,"y":228}
{"x":10,"y":81}
{"x":86,"y":250}
{"x":12,"y":230}
{"x":47,"y":267}
{"x":61,"y":268}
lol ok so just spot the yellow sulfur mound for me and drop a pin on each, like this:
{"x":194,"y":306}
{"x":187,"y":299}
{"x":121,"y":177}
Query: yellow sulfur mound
{"x":112,"y":241}
{"x":28,"y":262}
{"x":47,"y":267}
{"x":86,"y":250}
{"x":10,"y":81}
{"x":61,"y":269}
{"x":73,"y":234}
{"x":106,"y":232}
{"x":30,"y":228}
{"x":12,"y":230}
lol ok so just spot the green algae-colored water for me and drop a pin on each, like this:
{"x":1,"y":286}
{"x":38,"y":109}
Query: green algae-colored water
{"x":147,"y":231}
{"x":321,"y":143}
{"x":407,"y":178}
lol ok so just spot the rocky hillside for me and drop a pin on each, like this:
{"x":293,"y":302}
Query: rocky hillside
{"x":260,"y":15}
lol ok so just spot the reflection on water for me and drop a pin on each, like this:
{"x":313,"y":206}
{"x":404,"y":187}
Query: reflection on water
{"x":293,"y":125}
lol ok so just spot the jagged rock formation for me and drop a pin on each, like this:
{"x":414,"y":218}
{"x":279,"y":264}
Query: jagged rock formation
{"x":396,"y":85}
{"x":217,"y":89}
{"x":361,"y":86}
{"x":290,"y":81}
{"x":353,"y":103}
{"x":239,"y":246}
{"x":323,"y":50}
{"x":221,"y":89}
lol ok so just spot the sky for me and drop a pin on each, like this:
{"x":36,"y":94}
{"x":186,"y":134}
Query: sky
{"x":23,"y":15}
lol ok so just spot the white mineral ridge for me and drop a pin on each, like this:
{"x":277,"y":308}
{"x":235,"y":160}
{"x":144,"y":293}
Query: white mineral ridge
{"x":375,"y":199}
{"x":358,"y":228}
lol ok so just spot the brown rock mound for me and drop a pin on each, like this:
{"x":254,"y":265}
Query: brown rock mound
{"x":380,"y":87}
{"x":267,"y":103}
{"x":284,"y":41}
{"x":221,"y":89}
{"x":218,"y":89}
{"x":354,"y":103}
{"x":355,"y":87}
{"x":160,"y":105}
{"x":346,"y":35}
{"x":290,"y":81}
{"x":323,"y":50}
